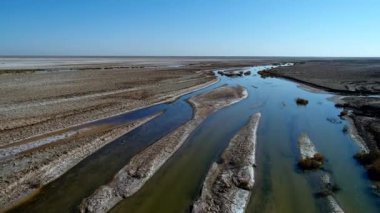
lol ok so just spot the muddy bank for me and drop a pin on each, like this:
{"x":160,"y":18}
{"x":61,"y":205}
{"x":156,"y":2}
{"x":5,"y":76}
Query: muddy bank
{"x":229,"y":182}
{"x":322,"y":183}
{"x":365,"y":114}
{"x":356,"y":76}
{"x":28,"y":170}
{"x":143,"y":166}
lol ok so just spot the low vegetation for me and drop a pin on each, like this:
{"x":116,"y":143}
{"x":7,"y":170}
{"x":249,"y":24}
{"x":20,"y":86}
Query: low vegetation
{"x":314,"y":162}
{"x":374,"y":170}
{"x":301,"y":101}
{"x":372,"y":162}
{"x":266,"y":73}
{"x":367,"y":158}
{"x":343,"y":113}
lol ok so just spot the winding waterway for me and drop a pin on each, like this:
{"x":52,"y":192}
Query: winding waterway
{"x":279,"y":186}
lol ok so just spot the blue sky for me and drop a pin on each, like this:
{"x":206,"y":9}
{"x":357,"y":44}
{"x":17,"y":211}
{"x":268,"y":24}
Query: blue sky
{"x":190,"y":27}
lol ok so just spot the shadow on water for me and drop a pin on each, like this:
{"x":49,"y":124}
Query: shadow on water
{"x":278,"y":188}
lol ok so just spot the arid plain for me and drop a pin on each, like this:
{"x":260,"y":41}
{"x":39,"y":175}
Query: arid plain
{"x":57,"y":112}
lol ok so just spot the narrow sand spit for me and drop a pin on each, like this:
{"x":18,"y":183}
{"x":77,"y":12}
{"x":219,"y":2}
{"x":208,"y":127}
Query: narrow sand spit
{"x":143,"y":166}
{"x":228,"y":184}
{"x":307,"y":148}
{"x":26,"y":172}
{"x":325,"y":187}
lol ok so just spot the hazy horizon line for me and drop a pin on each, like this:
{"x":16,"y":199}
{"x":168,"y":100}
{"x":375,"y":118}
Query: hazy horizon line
{"x":174,"y":56}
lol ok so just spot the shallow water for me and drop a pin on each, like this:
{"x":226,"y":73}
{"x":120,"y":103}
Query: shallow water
{"x":279,"y":186}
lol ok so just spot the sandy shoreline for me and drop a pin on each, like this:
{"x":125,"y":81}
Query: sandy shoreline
{"x":143,"y":166}
{"x":228,"y":184}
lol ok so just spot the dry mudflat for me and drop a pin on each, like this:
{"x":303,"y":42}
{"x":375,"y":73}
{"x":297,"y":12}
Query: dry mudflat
{"x":39,"y":102}
{"x":346,"y":76}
